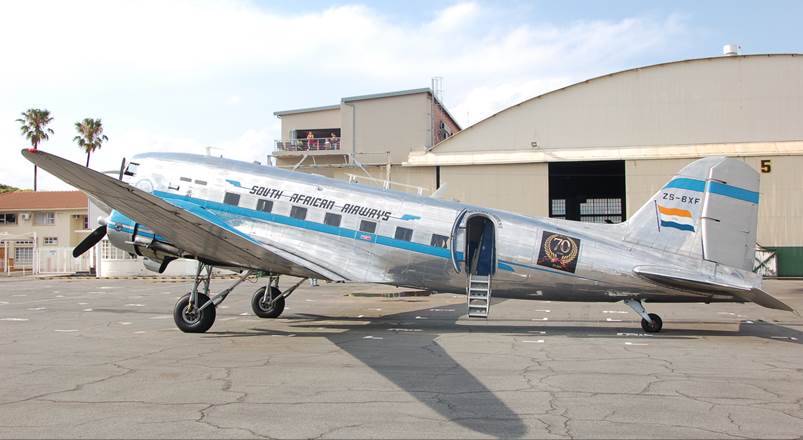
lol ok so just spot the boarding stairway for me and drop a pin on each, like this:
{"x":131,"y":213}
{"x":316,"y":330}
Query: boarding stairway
{"x":479,"y":296}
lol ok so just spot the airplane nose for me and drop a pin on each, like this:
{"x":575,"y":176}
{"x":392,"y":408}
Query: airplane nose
{"x":103,"y":221}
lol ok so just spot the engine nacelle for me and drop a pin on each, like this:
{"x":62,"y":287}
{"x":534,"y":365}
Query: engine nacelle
{"x":136,"y":239}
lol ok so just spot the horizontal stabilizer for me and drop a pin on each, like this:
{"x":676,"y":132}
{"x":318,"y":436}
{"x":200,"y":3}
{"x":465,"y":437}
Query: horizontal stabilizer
{"x":763,"y":298}
{"x":699,"y":283}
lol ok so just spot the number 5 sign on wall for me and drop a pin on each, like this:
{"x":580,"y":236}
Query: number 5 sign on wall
{"x":766,"y":166}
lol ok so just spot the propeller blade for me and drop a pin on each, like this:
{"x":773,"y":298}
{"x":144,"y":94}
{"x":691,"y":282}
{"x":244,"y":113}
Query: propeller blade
{"x":90,"y":240}
{"x":122,"y":169}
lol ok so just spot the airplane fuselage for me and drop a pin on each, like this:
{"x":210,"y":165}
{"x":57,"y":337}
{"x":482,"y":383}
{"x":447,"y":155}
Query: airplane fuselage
{"x":366,"y":234}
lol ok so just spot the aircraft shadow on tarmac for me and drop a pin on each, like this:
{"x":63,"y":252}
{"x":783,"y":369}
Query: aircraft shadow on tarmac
{"x":421,"y":367}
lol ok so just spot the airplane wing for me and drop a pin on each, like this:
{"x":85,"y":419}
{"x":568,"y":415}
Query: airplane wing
{"x":190,"y":228}
{"x":685,"y":280}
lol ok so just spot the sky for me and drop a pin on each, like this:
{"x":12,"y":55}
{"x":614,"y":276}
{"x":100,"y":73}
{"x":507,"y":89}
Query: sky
{"x":184,"y":75}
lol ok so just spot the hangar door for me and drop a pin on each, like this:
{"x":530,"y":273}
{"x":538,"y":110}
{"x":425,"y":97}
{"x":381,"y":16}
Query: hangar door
{"x":587,"y":191}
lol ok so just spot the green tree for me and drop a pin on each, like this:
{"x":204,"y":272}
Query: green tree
{"x":7,"y":188}
{"x":34,"y":127}
{"x":90,"y":136}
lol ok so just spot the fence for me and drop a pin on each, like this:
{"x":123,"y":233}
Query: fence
{"x":314,"y":144}
{"x":60,"y":260}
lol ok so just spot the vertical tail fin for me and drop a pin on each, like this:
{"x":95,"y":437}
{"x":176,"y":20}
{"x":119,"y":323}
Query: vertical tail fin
{"x":708,"y":210}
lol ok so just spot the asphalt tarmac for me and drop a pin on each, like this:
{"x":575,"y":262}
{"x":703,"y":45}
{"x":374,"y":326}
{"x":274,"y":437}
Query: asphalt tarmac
{"x":103,"y":359}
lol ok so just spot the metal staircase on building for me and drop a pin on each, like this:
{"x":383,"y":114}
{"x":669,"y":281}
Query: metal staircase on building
{"x":479,"y":296}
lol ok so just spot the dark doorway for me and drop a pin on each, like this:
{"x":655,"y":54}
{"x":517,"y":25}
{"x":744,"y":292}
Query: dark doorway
{"x":480,"y":246}
{"x":591,"y":192}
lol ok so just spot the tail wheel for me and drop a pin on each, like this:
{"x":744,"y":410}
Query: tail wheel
{"x":653,"y":327}
{"x":191,"y":320}
{"x":262,"y":306}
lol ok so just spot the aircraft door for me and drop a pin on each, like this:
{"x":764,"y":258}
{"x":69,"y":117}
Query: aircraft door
{"x":457,"y":240}
{"x":480,"y":245}
{"x":480,"y":262}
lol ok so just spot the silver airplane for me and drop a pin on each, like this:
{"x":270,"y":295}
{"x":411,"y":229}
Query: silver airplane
{"x":692,"y":242}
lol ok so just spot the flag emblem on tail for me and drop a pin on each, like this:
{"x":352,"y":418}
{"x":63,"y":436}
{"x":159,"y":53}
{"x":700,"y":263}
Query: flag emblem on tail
{"x":675,"y":218}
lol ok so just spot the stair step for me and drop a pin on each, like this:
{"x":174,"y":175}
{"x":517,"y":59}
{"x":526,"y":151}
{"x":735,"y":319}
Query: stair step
{"x":478,"y":296}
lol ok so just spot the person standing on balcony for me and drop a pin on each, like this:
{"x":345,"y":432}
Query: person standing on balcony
{"x":310,"y":140}
{"x":333,"y":140}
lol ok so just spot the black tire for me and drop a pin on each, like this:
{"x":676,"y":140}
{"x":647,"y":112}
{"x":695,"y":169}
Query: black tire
{"x":198,"y":322}
{"x":262,"y":309}
{"x":656,"y":325}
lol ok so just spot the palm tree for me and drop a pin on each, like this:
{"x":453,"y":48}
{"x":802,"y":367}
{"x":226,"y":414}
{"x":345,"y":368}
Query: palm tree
{"x":34,"y":127}
{"x":90,"y":136}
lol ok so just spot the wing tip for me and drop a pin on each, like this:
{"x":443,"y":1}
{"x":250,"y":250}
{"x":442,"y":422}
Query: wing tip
{"x":28,"y":153}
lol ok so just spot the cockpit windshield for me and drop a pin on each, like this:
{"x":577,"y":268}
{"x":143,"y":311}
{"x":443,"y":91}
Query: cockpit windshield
{"x":131,"y":169}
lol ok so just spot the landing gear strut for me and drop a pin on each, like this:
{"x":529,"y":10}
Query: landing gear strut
{"x":268,"y":301}
{"x":650,"y":322}
{"x":195,"y":311}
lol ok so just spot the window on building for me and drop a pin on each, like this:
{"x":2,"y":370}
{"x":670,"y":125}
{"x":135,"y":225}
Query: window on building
{"x":50,"y":241}
{"x":264,"y":205}
{"x":366,"y":226}
{"x":231,"y":199}
{"x":298,"y":212}
{"x":558,"y":208}
{"x":601,"y":211}
{"x":23,"y":256}
{"x":332,"y":219}
{"x":404,"y":234}
{"x":8,"y":218}
{"x":440,"y":241}
{"x":45,"y":218}
{"x":109,"y":252}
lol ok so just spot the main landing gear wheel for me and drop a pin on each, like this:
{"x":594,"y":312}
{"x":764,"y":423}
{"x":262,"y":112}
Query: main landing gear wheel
{"x":189,"y":318}
{"x":653,"y":327}
{"x":262,"y":306}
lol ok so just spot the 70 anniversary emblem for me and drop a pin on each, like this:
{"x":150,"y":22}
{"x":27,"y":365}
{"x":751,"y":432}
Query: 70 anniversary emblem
{"x":559,"y":251}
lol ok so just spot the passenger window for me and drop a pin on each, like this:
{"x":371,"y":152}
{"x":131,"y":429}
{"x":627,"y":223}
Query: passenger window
{"x":332,"y":219}
{"x":404,"y":234}
{"x":366,"y":226}
{"x":185,"y":179}
{"x":200,"y":182}
{"x":440,"y":241}
{"x":264,"y":205}
{"x":298,"y":212}
{"x":231,"y":199}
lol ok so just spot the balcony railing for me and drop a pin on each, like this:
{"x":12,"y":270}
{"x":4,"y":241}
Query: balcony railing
{"x":309,"y":144}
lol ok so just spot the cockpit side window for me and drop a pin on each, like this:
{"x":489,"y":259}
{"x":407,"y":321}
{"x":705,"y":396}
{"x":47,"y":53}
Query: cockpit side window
{"x":131,"y":169}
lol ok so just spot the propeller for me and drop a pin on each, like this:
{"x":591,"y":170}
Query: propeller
{"x":122,"y":170}
{"x":90,"y":240}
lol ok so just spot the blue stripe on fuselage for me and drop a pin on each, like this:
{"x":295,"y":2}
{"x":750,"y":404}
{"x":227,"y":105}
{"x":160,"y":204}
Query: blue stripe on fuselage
{"x":720,"y":188}
{"x":200,"y":207}
{"x":684,"y":183}
{"x":733,"y":192}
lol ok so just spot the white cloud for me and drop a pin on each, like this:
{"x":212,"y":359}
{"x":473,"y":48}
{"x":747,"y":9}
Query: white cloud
{"x":490,"y":58}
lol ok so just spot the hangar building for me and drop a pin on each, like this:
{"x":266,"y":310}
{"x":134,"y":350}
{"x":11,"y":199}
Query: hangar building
{"x":599,"y":149}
